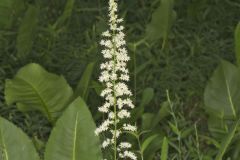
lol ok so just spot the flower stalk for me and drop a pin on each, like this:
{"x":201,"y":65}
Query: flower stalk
{"x":116,"y":94}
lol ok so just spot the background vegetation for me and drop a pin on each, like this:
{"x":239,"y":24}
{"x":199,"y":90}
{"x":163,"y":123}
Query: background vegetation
{"x":175,"y":47}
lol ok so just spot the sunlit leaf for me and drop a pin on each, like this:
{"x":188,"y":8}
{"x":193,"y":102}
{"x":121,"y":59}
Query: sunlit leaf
{"x":14,"y":144}
{"x":33,"y":88}
{"x":73,"y":137}
{"x":164,"y":152}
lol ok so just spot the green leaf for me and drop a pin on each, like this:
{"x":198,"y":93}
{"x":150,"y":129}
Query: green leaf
{"x":164,"y":152}
{"x":162,"y":113}
{"x":217,"y":126}
{"x":221,"y":96}
{"x":73,"y":136}
{"x":147,"y":142}
{"x":162,"y":21}
{"x":153,"y":148}
{"x":14,"y":144}
{"x":66,"y":14}
{"x":237,"y":43}
{"x":147,"y":96}
{"x":146,"y":120}
{"x":226,"y":141}
{"x":83,"y":85}
{"x":33,"y":88}
{"x":174,"y":129}
{"x":27,"y":31}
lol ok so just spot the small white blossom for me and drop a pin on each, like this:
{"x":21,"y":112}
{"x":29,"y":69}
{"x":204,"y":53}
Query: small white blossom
{"x":128,"y":127}
{"x":106,"y":143}
{"x":128,"y":154}
{"x":125,"y":145}
{"x":117,"y":95}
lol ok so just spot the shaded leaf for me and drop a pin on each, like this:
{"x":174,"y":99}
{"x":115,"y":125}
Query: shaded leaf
{"x":26,"y":33}
{"x":33,"y":88}
{"x":147,"y":96}
{"x":226,"y":141}
{"x":83,"y":85}
{"x":147,"y":142}
{"x":147,"y":119}
{"x":237,"y":43}
{"x":73,"y":136}
{"x":217,"y":126}
{"x":161,"y":23}
{"x":66,"y":14}
{"x":221,"y":96}
{"x":162,"y":113}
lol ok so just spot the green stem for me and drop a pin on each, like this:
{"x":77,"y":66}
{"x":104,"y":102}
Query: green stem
{"x":115,"y":100}
{"x":135,"y":73}
{"x":176,"y":125}
{"x":140,"y":148}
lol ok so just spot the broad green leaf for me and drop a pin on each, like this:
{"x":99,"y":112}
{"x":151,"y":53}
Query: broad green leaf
{"x":237,"y":43}
{"x":73,"y":136}
{"x":162,"y":21}
{"x":217,"y":126}
{"x":33,"y":88}
{"x":147,"y":142}
{"x":27,"y":31}
{"x":221,"y":96}
{"x":66,"y":14}
{"x":226,"y":141}
{"x":164,"y":152}
{"x":83,"y":85}
{"x":14,"y":144}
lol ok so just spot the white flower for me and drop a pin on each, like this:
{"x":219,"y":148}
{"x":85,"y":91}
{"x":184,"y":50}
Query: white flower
{"x":106,"y":143}
{"x":128,"y":127}
{"x":123,"y":114}
{"x":125,"y":145}
{"x":117,"y":95}
{"x":128,"y":154}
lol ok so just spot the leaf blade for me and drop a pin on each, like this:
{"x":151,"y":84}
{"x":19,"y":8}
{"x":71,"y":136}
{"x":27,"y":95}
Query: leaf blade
{"x":237,"y":43}
{"x":27,"y":31}
{"x":33,"y":88}
{"x":164,"y":152}
{"x":23,"y":147}
{"x":63,"y":145}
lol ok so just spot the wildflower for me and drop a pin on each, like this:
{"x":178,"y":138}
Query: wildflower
{"x":117,"y":95}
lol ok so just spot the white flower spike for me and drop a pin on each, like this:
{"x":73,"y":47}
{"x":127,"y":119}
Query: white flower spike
{"x":117,"y":95}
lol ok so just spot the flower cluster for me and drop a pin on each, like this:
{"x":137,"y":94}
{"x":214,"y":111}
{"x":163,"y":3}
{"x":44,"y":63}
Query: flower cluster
{"x":117,"y":95}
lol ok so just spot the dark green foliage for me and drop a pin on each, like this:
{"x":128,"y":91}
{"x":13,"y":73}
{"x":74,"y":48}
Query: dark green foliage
{"x":169,"y":52}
